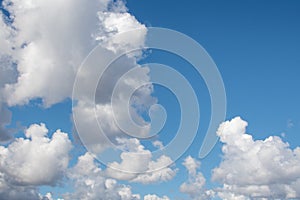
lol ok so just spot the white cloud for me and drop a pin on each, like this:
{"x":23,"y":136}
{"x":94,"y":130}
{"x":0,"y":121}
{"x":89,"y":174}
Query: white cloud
{"x":158,"y":144}
{"x":45,"y":44}
{"x":144,"y":169}
{"x":34,"y":161}
{"x":90,"y":184}
{"x":155,"y":197}
{"x":191,"y":165}
{"x":195,"y":185}
{"x":50,"y":41}
{"x":158,"y":170}
{"x":53,"y":37}
{"x":256,"y":168}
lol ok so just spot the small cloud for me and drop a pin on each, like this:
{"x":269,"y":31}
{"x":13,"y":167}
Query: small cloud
{"x":158,"y":144}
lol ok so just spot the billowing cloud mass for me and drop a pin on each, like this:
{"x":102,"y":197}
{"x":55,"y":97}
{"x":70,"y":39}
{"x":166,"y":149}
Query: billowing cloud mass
{"x":45,"y":43}
{"x":34,"y":161}
{"x":256,"y":168}
{"x":50,"y":41}
{"x":42,"y":46}
{"x":145,"y":169}
{"x":195,"y":185}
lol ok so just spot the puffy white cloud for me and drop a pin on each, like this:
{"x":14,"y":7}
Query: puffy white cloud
{"x":42,"y":49}
{"x":155,"y":197}
{"x":158,"y":170}
{"x":52,"y":38}
{"x":256,"y":168}
{"x":191,"y":165}
{"x":50,"y":41}
{"x":45,"y":43}
{"x":195,"y":185}
{"x":118,"y":22}
{"x":144,"y":169}
{"x":34,"y":161}
{"x":89,"y":183}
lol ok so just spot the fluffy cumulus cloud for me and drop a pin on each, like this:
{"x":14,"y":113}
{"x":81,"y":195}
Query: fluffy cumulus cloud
{"x":49,"y":39}
{"x":256,"y":168}
{"x":33,"y":161}
{"x":89,"y":183}
{"x":195,"y":185}
{"x":144,"y":170}
{"x":43,"y":44}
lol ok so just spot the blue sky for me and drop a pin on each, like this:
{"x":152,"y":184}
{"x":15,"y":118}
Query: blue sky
{"x":255,"y":45}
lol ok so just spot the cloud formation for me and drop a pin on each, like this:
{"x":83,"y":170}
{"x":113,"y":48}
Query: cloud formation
{"x":34,"y":161}
{"x":145,"y":169}
{"x":90,"y":184}
{"x":256,"y":168}
{"x":194,"y":187}
{"x":48,"y":40}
